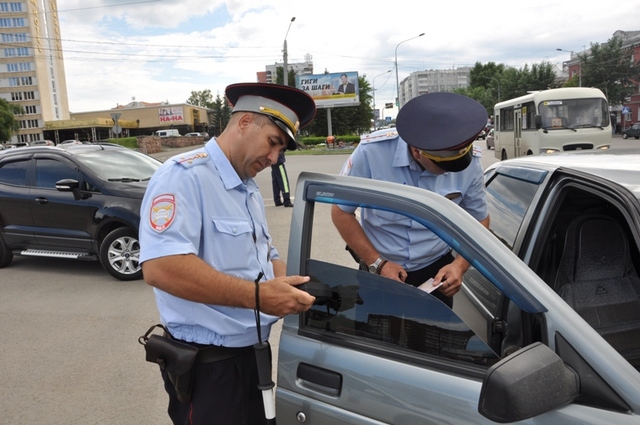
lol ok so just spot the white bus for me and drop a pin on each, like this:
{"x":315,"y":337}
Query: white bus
{"x":551,"y":121}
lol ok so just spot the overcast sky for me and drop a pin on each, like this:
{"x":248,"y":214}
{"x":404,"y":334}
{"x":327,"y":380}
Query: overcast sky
{"x":162,"y":50}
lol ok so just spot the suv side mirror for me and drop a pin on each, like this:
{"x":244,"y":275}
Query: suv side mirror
{"x":71,"y":185}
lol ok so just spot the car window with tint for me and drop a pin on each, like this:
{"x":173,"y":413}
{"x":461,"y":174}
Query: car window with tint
{"x":50,"y":171}
{"x":375,"y":313}
{"x":508,"y":199}
{"x":119,"y":163}
{"x":14,"y":173}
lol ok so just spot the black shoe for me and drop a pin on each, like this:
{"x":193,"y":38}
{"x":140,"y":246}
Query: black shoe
{"x":278,"y":204}
{"x":289,"y":205}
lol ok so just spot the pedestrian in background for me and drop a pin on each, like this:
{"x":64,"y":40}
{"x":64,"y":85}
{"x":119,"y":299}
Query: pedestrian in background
{"x":280,"y":183}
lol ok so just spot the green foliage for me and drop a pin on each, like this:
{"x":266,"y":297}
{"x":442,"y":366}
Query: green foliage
{"x":492,"y":83}
{"x":8,"y":122}
{"x":220,"y":117}
{"x":349,"y":139}
{"x":280,"y":79}
{"x":127,"y":142}
{"x":202,"y":98}
{"x":610,"y":68}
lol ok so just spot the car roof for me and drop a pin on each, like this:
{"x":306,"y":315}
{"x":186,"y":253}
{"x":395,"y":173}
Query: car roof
{"x":67,"y":148}
{"x":621,"y":166}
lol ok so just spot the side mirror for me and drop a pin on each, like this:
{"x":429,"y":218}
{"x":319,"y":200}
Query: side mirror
{"x":71,"y":185}
{"x":530,"y":382}
{"x":538,"y":121}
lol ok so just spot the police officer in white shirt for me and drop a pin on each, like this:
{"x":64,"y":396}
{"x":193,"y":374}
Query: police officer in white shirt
{"x":204,"y":241}
{"x":431,"y":148}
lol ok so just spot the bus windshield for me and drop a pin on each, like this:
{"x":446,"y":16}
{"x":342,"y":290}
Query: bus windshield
{"x":573,"y":113}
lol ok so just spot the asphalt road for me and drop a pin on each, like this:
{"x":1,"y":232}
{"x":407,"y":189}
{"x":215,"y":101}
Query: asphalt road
{"x":70,"y":353}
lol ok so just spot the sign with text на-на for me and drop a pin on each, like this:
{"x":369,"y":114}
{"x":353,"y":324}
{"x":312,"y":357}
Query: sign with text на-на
{"x":170,"y":114}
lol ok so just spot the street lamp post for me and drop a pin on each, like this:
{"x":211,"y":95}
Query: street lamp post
{"x":374,"y":95}
{"x":579,"y":64}
{"x":285,"y":77}
{"x":396,"y":65}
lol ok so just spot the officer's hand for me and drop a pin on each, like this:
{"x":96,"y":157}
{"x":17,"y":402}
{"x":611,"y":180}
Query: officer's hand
{"x":451,"y":275}
{"x":280,"y":296}
{"x":393,"y":271}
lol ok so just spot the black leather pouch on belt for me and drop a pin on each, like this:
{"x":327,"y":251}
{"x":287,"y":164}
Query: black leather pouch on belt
{"x":175,"y":357}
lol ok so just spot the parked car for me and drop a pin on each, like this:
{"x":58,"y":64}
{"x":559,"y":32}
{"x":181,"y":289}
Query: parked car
{"x":76,"y":201}
{"x":491,"y":143}
{"x":71,"y":142}
{"x":546,"y":329}
{"x":633,"y":131}
{"x":205,"y":135}
{"x":482,"y":135}
{"x":42,"y":143}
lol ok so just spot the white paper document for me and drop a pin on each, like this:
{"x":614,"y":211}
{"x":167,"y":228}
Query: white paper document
{"x":429,"y":287}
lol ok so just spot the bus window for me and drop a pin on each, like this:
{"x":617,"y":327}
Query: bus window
{"x":574,"y":113}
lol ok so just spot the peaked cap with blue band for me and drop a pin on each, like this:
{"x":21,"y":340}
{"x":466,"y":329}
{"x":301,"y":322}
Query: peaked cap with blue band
{"x":288,"y":108}
{"x":443,"y":126}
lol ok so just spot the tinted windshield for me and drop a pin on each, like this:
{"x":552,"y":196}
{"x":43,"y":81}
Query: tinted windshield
{"x":574,"y":113}
{"x":115,"y":164}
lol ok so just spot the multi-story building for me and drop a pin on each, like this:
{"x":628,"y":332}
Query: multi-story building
{"x":433,"y":80}
{"x":32,"y":66}
{"x":301,"y":68}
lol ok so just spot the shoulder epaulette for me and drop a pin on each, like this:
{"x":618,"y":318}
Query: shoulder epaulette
{"x":379,"y":135}
{"x":477,"y":152}
{"x":194,"y":158}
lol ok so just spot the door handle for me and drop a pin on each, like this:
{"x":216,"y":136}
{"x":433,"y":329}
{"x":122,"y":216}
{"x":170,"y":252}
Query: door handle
{"x":319,"y":379}
{"x":42,"y":200}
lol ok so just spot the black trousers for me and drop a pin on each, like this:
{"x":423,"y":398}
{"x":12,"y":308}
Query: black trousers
{"x":225,"y":393}
{"x":418,"y":277}
{"x":280,"y":184}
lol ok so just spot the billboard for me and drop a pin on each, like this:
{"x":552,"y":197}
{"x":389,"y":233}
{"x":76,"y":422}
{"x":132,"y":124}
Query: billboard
{"x":330,"y":90}
{"x":171,"y":114}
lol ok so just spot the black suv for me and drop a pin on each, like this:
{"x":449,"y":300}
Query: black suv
{"x":76,"y":201}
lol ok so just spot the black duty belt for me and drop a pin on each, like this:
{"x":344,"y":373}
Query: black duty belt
{"x":215,"y":353}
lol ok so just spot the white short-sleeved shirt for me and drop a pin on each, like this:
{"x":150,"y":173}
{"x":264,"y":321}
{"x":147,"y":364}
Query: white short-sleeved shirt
{"x":396,"y":237}
{"x":197,"y":204}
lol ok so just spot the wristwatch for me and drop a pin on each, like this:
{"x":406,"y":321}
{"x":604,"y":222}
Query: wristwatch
{"x":375,"y":267}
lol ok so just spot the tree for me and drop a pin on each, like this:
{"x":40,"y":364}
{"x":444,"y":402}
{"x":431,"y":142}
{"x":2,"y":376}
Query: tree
{"x":8,"y":122}
{"x":202,"y":98}
{"x":292,"y":76}
{"x":348,"y":119}
{"x":611,"y":68}
{"x":492,"y":83}
{"x":220,"y":116}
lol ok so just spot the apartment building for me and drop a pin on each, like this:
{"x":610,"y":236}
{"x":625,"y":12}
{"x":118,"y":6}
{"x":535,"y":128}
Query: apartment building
{"x":301,"y":68}
{"x":433,"y":80}
{"x":32,"y":66}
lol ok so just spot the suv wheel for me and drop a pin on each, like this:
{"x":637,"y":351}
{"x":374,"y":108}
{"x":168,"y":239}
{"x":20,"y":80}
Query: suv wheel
{"x":120,"y":254}
{"x":5,"y":253}
{"x":624,"y":136}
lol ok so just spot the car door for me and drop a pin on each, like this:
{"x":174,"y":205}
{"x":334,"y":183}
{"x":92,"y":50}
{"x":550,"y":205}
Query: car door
{"x":376,"y":351}
{"x":73,"y":223}
{"x":544,"y":207}
{"x":15,"y":202}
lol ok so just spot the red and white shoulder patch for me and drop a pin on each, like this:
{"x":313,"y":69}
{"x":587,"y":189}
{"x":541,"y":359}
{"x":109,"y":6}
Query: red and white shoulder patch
{"x":163,"y":211}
